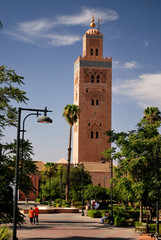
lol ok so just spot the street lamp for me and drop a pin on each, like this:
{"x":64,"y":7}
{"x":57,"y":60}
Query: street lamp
{"x":111,"y":161}
{"x":105,"y":180}
{"x":61,"y":176}
{"x":23,"y":132}
{"x":82,"y":184}
{"x":44,"y":119}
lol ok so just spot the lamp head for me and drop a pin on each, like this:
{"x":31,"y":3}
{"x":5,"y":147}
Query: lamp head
{"x":45,"y":118}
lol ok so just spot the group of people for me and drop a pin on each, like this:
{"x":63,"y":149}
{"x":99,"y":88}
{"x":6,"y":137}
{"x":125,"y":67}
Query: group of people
{"x":33,"y":215}
{"x":92,"y":205}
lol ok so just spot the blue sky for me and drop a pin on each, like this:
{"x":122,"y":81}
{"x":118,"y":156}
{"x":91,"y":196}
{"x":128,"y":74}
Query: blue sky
{"x":41,"y":39}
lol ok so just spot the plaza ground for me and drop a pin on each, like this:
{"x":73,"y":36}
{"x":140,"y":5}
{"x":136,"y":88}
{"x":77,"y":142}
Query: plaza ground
{"x":72,"y":226}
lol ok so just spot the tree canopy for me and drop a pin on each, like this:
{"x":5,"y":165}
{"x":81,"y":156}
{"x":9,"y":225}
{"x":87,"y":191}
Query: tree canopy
{"x":137,"y":176}
{"x":10,"y":92}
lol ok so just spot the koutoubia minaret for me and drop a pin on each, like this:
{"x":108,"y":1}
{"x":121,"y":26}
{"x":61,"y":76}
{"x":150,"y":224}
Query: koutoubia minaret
{"x":92,"y":93}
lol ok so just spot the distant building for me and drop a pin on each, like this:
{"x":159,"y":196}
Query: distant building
{"x":92,"y":93}
{"x":35,"y":179}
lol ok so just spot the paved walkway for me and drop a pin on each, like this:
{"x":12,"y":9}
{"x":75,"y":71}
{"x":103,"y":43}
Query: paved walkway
{"x":72,"y":227}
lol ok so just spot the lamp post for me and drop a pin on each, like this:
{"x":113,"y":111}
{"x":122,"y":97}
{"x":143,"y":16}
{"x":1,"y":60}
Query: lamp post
{"x":111,"y":161}
{"x":105,"y":180}
{"x":61,"y":176}
{"x":82,"y":184}
{"x":43,"y":119}
{"x":23,"y":132}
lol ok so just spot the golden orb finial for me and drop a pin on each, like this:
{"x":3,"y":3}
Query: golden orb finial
{"x":92,"y":23}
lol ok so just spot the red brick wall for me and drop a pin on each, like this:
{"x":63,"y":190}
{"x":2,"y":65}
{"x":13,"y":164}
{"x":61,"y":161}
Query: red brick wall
{"x":33,"y":195}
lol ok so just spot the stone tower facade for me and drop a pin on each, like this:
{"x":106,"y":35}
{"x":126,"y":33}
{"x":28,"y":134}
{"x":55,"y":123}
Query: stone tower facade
{"x":92,"y":93}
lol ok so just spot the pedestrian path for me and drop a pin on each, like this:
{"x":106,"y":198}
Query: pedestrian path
{"x":72,"y":227}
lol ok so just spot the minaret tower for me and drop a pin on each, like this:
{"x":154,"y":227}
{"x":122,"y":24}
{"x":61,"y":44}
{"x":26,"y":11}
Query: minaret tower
{"x":92,"y":93}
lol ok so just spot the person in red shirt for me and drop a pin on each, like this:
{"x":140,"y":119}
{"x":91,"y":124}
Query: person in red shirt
{"x":31,"y":215}
{"x":36,"y":211}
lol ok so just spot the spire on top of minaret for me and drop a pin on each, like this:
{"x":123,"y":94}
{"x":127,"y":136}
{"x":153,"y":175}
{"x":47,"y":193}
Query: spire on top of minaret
{"x":92,"y":23}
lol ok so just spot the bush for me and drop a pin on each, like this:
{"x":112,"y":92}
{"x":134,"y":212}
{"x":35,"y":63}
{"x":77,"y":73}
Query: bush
{"x":94,"y":213}
{"x":66,"y":204}
{"x":45,"y":203}
{"x":5,"y":233}
{"x":77,"y":204}
{"x":120,"y":221}
{"x":57,"y":200}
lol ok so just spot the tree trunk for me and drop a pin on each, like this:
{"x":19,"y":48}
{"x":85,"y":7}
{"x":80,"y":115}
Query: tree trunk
{"x":141,"y":212}
{"x":68,"y":166}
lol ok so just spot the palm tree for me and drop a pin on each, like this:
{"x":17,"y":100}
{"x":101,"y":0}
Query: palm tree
{"x":152,"y":114}
{"x":71,"y":114}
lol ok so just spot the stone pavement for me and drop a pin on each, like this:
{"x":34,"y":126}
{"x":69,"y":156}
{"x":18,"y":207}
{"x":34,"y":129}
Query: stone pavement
{"x":65,"y":226}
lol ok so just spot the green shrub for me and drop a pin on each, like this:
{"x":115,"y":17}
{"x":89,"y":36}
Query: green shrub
{"x":57,"y":200}
{"x":152,"y":228}
{"x":66,"y":203}
{"x":77,"y":204}
{"x":120,"y":221}
{"x":5,"y":233}
{"x":137,"y":223}
{"x":45,"y":203}
{"x":94,"y":213}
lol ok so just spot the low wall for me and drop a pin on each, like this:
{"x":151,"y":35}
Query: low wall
{"x":52,"y":210}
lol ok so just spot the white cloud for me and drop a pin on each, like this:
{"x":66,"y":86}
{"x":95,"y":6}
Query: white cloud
{"x":131,"y":64}
{"x":48,"y":30}
{"x":35,"y":27}
{"x":145,"y":90}
{"x":126,"y":65}
{"x":62,"y":40}
{"x":84,"y":17}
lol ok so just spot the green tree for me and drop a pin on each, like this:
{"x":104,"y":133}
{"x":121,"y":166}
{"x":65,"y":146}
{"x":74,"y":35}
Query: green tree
{"x":71,"y":114}
{"x":7,"y":173}
{"x":9,"y":150}
{"x":48,"y":177}
{"x":139,"y":156}
{"x":96,"y":192}
{"x":76,"y":180}
{"x":9,"y":92}
{"x":152,"y":115}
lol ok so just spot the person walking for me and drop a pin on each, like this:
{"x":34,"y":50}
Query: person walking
{"x":31,"y":215}
{"x":26,"y":202}
{"x":36,"y":219}
{"x":87,"y":207}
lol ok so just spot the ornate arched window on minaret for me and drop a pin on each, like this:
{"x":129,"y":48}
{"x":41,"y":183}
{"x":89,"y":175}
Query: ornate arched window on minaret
{"x":94,"y":73}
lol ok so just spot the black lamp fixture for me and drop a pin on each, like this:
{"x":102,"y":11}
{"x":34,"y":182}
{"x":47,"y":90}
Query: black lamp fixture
{"x":45,"y":118}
